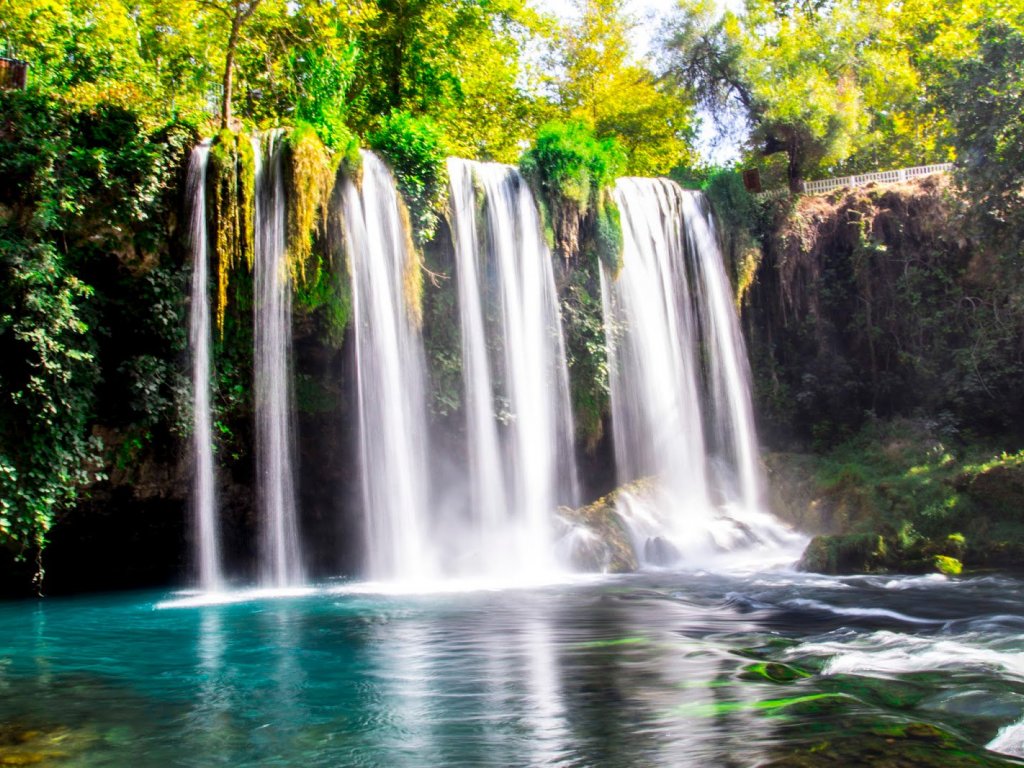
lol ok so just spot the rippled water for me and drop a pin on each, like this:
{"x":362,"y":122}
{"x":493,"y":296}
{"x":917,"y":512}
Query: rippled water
{"x":668,"y":669}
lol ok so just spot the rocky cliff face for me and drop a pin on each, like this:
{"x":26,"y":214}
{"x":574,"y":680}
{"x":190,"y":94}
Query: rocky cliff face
{"x":882,"y":300}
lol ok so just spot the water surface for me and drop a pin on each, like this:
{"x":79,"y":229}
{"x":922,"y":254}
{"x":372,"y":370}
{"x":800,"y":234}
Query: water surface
{"x":660,"y":669}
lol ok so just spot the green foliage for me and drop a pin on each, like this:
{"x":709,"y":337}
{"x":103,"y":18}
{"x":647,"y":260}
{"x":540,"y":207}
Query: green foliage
{"x":327,"y":293}
{"x":415,"y":149}
{"x":606,"y":87}
{"x":572,"y":169}
{"x":89,"y":193}
{"x":874,"y":301}
{"x":984,"y":95}
{"x":586,"y":353}
{"x":908,"y":498}
{"x":834,"y":87}
{"x":569,"y":162}
{"x":741,"y":218}
{"x":455,"y":63}
{"x":608,"y":238}
{"x":46,"y":387}
{"x":324,"y":75}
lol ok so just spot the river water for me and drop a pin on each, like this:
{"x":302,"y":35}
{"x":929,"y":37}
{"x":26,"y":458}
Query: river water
{"x":663,"y":669}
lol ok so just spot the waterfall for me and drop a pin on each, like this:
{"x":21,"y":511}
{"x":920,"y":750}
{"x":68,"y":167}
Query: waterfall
{"x":280,"y":556}
{"x":728,"y":369}
{"x":390,"y":379}
{"x":487,"y":495}
{"x":521,"y":462}
{"x":680,"y":387}
{"x":204,"y":506}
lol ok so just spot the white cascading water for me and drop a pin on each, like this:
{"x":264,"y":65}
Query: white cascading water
{"x":280,"y":553}
{"x":727,"y":369}
{"x":204,"y":505}
{"x":521,"y":462}
{"x":390,"y":381}
{"x":670,"y":302}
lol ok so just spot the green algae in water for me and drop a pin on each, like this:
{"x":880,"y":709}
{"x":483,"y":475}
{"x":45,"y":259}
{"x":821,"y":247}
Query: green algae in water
{"x":773,"y":672}
{"x":719,"y":708}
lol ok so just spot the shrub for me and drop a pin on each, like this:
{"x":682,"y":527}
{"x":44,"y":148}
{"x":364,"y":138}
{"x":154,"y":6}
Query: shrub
{"x":415,"y":149}
{"x":571,"y":169}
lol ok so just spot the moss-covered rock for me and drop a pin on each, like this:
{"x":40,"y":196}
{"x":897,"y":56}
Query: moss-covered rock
{"x":596,"y":538}
{"x":853,"y":553}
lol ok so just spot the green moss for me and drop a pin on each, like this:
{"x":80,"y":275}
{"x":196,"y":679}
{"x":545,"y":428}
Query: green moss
{"x":948,"y":565}
{"x":773,"y":672}
{"x":312,"y":170}
{"x":896,"y":497}
{"x":232,"y":178}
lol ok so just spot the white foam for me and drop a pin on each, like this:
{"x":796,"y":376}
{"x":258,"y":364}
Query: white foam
{"x":917,"y":582}
{"x":1009,"y":740}
{"x":867,"y":613}
{"x":200,"y":599}
{"x":892,"y":653}
{"x":462,"y":585}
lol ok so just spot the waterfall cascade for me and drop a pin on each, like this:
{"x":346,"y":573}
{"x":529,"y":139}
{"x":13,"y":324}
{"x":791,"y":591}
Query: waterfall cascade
{"x":679,"y":382}
{"x":518,"y":418}
{"x":280,"y":553}
{"x":390,"y":380}
{"x":204,"y":505}
{"x":680,"y":387}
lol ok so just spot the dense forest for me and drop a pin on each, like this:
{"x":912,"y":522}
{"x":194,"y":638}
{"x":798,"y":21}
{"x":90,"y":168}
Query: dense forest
{"x":856,"y":310}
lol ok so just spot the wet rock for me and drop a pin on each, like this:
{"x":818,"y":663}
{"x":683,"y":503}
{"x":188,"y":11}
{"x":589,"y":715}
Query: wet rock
{"x":854,"y":553}
{"x":596,"y":539}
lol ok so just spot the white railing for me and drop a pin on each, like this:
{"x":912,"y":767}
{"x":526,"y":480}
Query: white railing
{"x":883,"y":177}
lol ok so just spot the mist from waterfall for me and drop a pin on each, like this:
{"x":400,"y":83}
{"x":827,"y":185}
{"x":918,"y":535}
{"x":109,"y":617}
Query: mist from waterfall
{"x":203,"y":498}
{"x":390,"y":380}
{"x":680,"y":389}
{"x":280,"y":553}
{"x":519,"y":427}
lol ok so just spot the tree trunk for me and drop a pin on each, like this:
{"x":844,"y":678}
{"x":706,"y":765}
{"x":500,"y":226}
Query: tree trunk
{"x":795,"y":170}
{"x":229,"y":67}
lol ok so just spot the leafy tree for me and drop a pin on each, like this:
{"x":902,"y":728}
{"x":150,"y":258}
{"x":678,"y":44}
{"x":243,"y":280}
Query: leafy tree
{"x":601,"y":83}
{"x":827,"y":85}
{"x":454,"y":61}
{"x":983,"y":93}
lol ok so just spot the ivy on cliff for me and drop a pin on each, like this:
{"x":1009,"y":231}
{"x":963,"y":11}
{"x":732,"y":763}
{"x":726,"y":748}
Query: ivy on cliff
{"x":87,"y":191}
